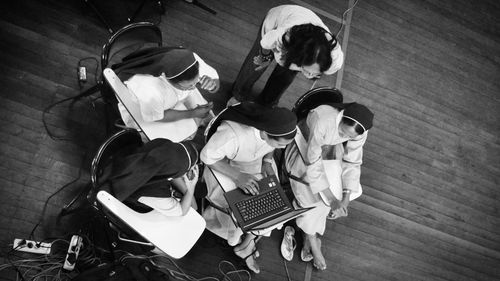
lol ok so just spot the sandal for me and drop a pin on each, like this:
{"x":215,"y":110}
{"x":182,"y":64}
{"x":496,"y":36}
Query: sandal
{"x":288,"y":243}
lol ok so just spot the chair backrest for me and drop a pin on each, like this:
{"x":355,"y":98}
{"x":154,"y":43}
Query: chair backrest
{"x":314,"y":98}
{"x":120,"y":142}
{"x":126,"y":40}
{"x":214,"y":124}
{"x":174,"y":236}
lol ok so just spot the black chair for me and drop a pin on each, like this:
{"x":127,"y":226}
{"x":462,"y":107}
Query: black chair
{"x":118,"y":143}
{"x":314,"y":98}
{"x":131,"y":38}
{"x":125,"y":41}
{"x":174,"y":236}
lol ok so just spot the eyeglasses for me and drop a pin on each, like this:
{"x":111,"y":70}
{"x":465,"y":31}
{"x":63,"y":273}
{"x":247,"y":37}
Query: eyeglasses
{"x":310,"y":75}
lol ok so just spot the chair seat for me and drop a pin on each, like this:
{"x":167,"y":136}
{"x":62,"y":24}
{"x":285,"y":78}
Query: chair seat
{"x":175,"y":236}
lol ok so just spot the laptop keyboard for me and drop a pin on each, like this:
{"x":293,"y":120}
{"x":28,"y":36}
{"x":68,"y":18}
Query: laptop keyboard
{"x":261,"y":204}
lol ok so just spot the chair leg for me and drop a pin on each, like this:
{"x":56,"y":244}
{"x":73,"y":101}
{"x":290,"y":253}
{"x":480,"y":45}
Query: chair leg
{"x":90,"y":91}
{"x":66,"y":210}
{"x":137,"y":11}
{"x":99,"y":15}
{"x":203,"y":6}
{"x":161,"y":6}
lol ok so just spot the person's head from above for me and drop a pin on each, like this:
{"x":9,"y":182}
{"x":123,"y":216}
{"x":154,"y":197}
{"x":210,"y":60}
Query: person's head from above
{"x":277,"y":125}
{"x":159,"y":157}
{"x":181,"y":69}
{"x":192,"y":159}
{"x":309,"y":47}
{"x":356,"y":120}
{"x":184,"y":157}
{"x":278,"y":141}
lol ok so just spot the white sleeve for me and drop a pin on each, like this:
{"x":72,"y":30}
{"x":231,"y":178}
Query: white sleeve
{"x":152,"y":96}
{"x":337,"y":60}
{"x":351,"y":163}
{"x":206,"y":69}
{"x":315,"y":173}
{"x":272,"y":38}
{"x":222,"y":144}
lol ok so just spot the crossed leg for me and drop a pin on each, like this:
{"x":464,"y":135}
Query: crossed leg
{"x":247,"y":250}
{"x":313,"y":245}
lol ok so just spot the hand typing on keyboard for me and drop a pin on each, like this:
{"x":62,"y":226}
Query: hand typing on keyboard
{"x":248,"y":183}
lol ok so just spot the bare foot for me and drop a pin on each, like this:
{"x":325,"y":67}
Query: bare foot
{"x":319,"y":261}
{"x":305,"y":253}
{"x":247,"y":250}
{"x":252,"y":263}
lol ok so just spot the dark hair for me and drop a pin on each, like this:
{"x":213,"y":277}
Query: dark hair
{"x":308,"y":44}
{"x":349,"y":122}
{"x":188,"y":74}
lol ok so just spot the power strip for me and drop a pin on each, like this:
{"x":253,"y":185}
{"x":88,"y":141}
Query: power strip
{"x":30,"y":246}
{"x":73,"y":251}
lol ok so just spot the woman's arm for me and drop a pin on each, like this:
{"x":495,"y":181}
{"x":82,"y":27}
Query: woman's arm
{"x":209,"y":78}
{"x":186,"y":186}
{"x":351,"y":163}
{"x":267,"y":164}
{"x":201,"y":111}
{"x":246,"y":182}
{"x":351,"y":172}
{"x":315,"y":173}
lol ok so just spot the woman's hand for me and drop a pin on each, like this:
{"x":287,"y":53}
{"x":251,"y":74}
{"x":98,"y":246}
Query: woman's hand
{"x":267,"y":169}
{"x":209,"y":84}
{"x":260,"y":62}
{"x":202,"y":111}
{"x":338,"y":209}
{"x":247,"y":183}
{"x":191,"y":177}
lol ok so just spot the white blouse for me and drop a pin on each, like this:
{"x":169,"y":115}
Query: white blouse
{"x":155,"y":94}
{"x":323,"y":123}
{"x":239,"y":143}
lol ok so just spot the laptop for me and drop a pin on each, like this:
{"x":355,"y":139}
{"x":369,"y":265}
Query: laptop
{"x":267,"y":209}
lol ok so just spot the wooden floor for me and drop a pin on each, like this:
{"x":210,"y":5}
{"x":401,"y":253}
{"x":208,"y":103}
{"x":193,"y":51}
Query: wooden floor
{"x":429,"y":69}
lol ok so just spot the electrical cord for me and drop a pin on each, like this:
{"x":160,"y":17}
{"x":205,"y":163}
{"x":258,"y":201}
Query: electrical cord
{"x":179,"y":274}
{"x":336,"y":36}
{"x":233,"y":270}
{"x":286,"y":270}
{"x":343,"y":18}
{"x":40,"y":220}
{"x":33,"y":269}
{"x":74,"y":98}
{"x":50,"y":267}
